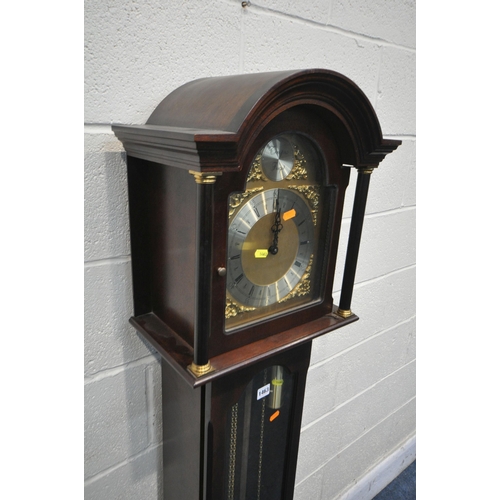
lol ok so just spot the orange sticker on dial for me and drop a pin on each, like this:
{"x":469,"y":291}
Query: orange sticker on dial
{"x":290,"y":214}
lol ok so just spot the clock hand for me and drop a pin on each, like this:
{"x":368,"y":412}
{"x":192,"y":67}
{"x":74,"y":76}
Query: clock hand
{"x":276,"y":228}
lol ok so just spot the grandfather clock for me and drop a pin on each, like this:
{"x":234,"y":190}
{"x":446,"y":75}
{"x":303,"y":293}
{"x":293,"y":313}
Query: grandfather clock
{"x":236,"y":192}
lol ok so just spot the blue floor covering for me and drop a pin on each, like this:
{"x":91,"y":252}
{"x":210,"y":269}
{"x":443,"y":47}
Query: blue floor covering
{"x":404,"y":487}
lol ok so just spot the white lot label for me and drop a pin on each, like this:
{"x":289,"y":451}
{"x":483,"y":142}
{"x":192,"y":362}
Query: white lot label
{"x":263,"y":391}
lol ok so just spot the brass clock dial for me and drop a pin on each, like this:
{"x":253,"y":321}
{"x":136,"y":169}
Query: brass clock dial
{"x":270,"y":245}
{"x":273,"y":233}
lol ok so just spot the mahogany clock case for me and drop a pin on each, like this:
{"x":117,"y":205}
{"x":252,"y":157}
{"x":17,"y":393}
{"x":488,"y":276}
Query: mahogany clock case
{"x":163,"y":207}
{"x":221,"y":440}
{"x":179,"y":228}
{"x":233,"y":431}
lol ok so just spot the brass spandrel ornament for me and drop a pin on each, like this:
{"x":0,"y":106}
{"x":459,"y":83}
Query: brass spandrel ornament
{"x":235,"y":200}
{"x":256,"y":173}
{"x":233,"y":308}
{"x":312,"y":195}
{"x":299,"y":170}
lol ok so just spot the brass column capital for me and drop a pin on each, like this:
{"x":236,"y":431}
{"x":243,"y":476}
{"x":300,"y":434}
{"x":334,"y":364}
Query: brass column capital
{"x":365,"y":170}
{"x":205,"y":177}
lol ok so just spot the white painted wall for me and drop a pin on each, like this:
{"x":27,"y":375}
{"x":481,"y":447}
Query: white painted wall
{"x":360,"y":399}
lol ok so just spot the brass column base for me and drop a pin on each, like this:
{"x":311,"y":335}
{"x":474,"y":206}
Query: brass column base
{"x":344,"y":314}
{"x":199,"y":370}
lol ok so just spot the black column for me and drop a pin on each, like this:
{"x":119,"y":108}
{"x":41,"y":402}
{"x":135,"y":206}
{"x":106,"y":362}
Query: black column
{"x":358,"y":215}
{"x":204,"y":229}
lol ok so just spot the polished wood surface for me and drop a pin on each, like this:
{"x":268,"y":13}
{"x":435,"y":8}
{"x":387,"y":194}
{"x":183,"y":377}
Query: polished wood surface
{"x":243,"y":103}
{"x":179,"y":354}
{"x":219,"y":103}
{"x":206,"y":124}
{"x":163,"y":241}
{"x":179,"y":233}
{"x":195,"y":424}
{"x":218,"y":124}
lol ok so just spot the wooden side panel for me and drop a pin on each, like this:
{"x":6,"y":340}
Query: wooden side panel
{"x":163,"y":240}
{"x":172,"y":231}
{"x":182,"y":424}
{"x":138,"y":187}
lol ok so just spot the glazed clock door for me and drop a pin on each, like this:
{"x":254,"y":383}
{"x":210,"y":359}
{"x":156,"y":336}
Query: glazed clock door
{"x":256,"y":437}
{"x":275,"y":221}
{"x":275,"y":243}
{"x":256,"y":444}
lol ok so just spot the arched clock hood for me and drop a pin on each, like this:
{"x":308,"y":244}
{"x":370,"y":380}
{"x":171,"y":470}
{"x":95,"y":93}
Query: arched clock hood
{"x":205,"y":124}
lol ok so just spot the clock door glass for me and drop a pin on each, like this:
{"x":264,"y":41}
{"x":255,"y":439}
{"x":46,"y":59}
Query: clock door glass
{"x":275,"y":244}
{"x":256,"y":437}
{"x":270,"y":245}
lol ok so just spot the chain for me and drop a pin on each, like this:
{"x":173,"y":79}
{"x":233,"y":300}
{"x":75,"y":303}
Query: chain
{"x":232,"y":451}
{"x":261,"y":440}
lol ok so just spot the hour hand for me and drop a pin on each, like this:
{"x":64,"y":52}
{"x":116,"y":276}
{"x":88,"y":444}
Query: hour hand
{"x":276,"y":228}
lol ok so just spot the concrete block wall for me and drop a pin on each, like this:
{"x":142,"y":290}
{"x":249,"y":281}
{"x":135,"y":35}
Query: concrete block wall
{"x":359,"y":409}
